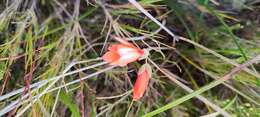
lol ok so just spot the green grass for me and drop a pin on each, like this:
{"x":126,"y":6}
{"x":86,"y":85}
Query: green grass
{"x":50,"y":61}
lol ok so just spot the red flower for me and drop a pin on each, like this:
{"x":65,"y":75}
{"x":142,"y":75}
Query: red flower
{"x":141,"y":84}
{"x":123,"y":53}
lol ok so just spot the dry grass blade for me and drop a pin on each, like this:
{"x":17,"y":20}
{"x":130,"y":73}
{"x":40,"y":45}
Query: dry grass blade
{"x":205,"y":88}
{"x":51,"y":64}
{"x":174,"y":78}
{"x":139,"y":7}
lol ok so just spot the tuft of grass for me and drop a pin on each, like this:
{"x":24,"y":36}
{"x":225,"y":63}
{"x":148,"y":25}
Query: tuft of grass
{"x":201,"y":51}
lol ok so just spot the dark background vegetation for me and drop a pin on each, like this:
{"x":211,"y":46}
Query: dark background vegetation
{"x":42,"y":39}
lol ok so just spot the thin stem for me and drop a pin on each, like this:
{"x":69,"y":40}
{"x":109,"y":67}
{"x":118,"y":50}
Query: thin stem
{"x":129,"y":108}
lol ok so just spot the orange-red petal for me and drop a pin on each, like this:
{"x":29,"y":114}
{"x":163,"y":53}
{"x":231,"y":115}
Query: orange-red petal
{"x":110,"y":56}
{"x":113,"y":47}
{"x":142,"y":82}
{"x":128,"y":58}
{"x":140,"y":85}
{"x":123,"y":53}
{"x":123,"y":41}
